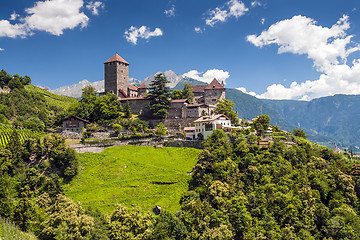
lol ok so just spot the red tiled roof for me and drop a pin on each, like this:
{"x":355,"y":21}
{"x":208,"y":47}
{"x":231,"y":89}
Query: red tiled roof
{"x":198,"y":88}
{"x":123,"y":93}
{"x":133,"y":87}
{"x":143,"y":86}
{"x":116,"y":58}
{"x":214,"y":85}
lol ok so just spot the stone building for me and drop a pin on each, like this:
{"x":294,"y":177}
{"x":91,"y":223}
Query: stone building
{"x":74,"y":124}
{"x":117,"y":82}
{"x":117,"y":79}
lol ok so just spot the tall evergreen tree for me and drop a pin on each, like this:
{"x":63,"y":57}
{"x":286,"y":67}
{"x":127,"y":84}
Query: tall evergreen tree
{"x":187,"y":92}
{"x":127,"y":110}
{"x":160,"y":96}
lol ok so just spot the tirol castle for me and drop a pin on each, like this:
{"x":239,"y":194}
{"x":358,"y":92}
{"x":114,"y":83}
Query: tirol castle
{"x":117,"y":82}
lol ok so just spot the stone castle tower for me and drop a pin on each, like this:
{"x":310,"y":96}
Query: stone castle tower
{"x":117,"y":76}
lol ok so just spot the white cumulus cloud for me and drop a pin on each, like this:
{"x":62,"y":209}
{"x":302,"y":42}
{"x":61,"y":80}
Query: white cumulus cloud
{"x":94,"y":6}
{"x":208,"y":76}
{"x":52,"y":16}
{"x":244,"y":90}
{"x":256,"y":4}
{"x":12,"y":30}
{"x":170,"y":12}
{"x":232,"y":8}
{"x":1,"y":49}
{"x":144,"y":32}
{"x":198,"y":29}
{"x":328,"y":48}
{"x":14,"y":16}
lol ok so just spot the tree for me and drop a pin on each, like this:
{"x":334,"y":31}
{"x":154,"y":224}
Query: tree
{"x":276,"y":129}
{"x":168,"y":226}
{"x":226,"y":107}
{"x":86,"y":108}
{"x":187,"y":92}
{"x":125,"y":224}
{"x":177,"y":94}
{"x":64,"y":219}
{"x":127,"y":110}
{"x":298,"y":132}
{"x":159,"y":96}
{"x":161,"y":129}
{"x":262,"y":123}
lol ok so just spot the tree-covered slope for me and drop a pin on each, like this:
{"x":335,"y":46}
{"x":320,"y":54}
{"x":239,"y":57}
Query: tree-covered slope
{"x":24,"y":105}
{"x":302,"y":191}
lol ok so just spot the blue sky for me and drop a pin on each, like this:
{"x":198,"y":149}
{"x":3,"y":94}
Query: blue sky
{"x":276,"y":49}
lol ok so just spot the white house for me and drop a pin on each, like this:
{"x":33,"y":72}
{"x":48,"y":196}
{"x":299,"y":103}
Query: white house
{"x":207,"y":124}
{"x":190,"y":133}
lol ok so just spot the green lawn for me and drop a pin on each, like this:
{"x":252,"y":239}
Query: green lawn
{"x":124,"y":175}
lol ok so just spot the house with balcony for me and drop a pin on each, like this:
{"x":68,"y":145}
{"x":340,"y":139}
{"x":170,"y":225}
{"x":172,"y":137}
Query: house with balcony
{"x":207,"y":124}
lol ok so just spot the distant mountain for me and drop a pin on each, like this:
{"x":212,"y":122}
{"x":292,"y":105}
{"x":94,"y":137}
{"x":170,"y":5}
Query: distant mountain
{"x":176,"y":82}
{"x":172,"y":77}
{"x":249,"y":107}
{"x":181,"y":84}
{"x":134,"y":81}
{"x":75,"y":90}
{"x":336,"y":117}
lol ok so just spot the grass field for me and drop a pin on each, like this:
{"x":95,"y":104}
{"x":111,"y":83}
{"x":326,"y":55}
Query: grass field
{"x":124,"y":175}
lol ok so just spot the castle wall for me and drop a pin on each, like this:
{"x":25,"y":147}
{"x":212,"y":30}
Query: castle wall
{"x":211,"y":95}
{"x":138,"y":106}
{"x":177,"y":110}
{"x":142,"y":92}
{"x":116,"y":77}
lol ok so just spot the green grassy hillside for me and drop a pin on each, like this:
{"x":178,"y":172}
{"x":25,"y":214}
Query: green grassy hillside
{"x":51,"y":98}
{"x":125,"y":175}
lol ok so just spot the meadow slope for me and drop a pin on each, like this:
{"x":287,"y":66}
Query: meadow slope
{"x":127,"y":174}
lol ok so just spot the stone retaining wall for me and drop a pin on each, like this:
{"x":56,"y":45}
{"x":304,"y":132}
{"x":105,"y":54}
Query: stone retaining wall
{"x":99,"y":147}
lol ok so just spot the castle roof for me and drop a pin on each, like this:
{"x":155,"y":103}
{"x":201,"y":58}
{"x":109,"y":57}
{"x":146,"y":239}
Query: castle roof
{"x":198,"y":88}
{"x":123,"y":93}
{"x":133,"y":87}
{"x":143,"y":86}
{"x":214,"y":85}
{"x":116,"y":58}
